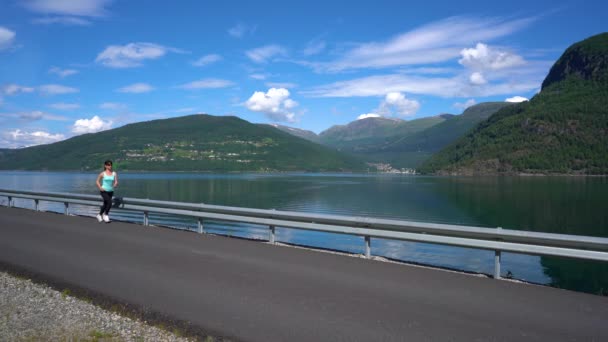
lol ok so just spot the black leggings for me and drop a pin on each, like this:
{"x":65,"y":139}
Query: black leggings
{"x":107,"y":202}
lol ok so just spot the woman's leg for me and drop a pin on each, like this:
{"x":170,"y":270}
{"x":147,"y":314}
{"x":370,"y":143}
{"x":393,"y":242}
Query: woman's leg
{"x":109,"y":201}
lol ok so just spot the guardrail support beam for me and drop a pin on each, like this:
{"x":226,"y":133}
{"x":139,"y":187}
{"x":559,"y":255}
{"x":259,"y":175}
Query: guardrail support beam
{"x":200,"y":226}
{"x":368,"y":246}
{"x":271,"y":239}
{"x":497,"y":264}
{"x":37,"y":205}
{"x":146,"y":218}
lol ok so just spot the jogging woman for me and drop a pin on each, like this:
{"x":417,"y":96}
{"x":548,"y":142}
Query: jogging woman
{"x":106,"y":182}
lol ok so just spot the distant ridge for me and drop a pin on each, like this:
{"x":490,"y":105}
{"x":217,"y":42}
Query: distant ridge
{"x":190,"y":143}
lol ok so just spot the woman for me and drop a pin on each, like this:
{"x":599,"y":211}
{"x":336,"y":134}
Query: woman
{"x":109,"y":181}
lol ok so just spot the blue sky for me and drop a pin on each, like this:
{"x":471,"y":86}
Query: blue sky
{"x":74,"y":67}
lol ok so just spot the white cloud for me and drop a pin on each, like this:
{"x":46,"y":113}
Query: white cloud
{"x":396,"y":103}
{"x":465,"y":105}
{"x":62,"y":72}
{"x":14,"y":89}
{"x":67,"y":12}
{"x":483,"y":57}
{"x":438,"y":86}
{"x":131,"y":55}
{"x":208,"y":83}
{"x":432,"y":43}
{"x":113,"y":106}
{"x":275,"y":104}
{"x":65,"y":106}
{"x":264,"y":53}
{"x":136,"y":88}
{"x":516,"y":99}
{"x":239,"y":30}
{"x":260,"y":77}
{"x":207,"y":59}
{"x":368,"y":115}
{"x":19,"y":138}
{"x":281,"y":85}
{"x":6,"y":38}
{"x":75,"y":21}
{"x":95,"y":124}
{"x":477,"y":78}
{"x":56,"y":89}
{"x":314,"y":47}
{"x":39,"y":115}
{"x":85,"y":8}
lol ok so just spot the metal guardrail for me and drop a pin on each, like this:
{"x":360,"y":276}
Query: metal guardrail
{"x":499,"y":240}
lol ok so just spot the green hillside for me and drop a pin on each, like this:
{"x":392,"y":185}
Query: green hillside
{"x":562,"y":130}
{"x":372,"y":134}
{"x":189,"y":143}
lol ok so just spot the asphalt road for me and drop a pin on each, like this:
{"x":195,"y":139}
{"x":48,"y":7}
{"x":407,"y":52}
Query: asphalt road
{"x":253,"y":291}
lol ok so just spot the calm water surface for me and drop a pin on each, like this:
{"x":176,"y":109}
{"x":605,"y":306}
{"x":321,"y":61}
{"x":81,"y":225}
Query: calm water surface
{"x":569,"y":205}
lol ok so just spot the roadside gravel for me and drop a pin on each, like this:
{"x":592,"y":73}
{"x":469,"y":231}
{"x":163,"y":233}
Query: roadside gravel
{"x":34,"y":312}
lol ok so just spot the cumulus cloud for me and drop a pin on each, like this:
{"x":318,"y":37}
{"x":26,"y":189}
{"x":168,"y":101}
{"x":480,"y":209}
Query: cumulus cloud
{"x":136,"y":88}
{"x":62,"y":72}
{"x":93,"y":125}
{"x":56,"y":89}
{"x":264,"y":53}
{"x":396,"y":103}
{"x":14,"y":89}
{"x":432,"y":43}
{"x":6,"y":38}
{"x":275,"y":104}
{"x":207,"y":59}
{"x":239,"y":30}
{"x":131,"y":55}
{"x":477,"y":78}
{"x":516,"y":99}
{"x":483,"y":57}
{"x":19,"y":138}
{"x":67,"y":12}
{"x":65,"y":106}
{"x":208,"y":83}
{"x":368,"y":115}
{"x":465,"y":105}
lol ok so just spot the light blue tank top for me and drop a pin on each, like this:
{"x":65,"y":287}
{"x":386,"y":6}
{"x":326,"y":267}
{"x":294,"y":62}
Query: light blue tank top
{"x":107,"y":182}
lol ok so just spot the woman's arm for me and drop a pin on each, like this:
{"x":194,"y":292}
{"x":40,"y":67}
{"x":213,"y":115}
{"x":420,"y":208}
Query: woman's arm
{"x":115,"y":179}
{"x":98,"y":179}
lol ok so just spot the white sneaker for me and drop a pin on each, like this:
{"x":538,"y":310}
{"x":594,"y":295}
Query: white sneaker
{"x":99,"y":219}
{"x":106,"y":218}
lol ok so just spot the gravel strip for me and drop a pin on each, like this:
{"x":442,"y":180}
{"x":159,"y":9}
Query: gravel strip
{"x":34,"y":312}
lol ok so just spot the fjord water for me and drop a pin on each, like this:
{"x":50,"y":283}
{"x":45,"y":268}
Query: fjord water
{"x":567,"y":205}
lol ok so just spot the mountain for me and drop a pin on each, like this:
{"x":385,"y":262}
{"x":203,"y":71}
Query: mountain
{"x":562,"y":130}
{"x":371,"y":134}
{"x":189,"y":143}
{"x":302,"y":133}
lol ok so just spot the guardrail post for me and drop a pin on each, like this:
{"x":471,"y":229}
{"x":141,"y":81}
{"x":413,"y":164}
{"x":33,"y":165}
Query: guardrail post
{"x":497,"y":255}
{"x":146,"y":218}
{"x":497,"y":264}
{"x":200,"y":226}
{"x":37,"y":205}
{"x":368,"y":247}
{"x":10,"y":202}
{"x":271,"y":238}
